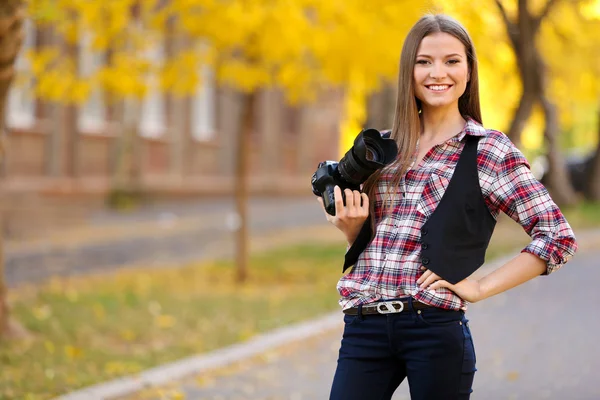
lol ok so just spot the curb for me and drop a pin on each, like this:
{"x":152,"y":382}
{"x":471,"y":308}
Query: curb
{"x":167,"y":373}
{"x":164,"y":374}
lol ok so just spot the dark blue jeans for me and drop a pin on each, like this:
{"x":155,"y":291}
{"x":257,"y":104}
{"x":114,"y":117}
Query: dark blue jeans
{"x":431,"y":347}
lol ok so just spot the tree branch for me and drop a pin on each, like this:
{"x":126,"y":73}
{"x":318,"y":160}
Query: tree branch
{"x":511,"y":27}
{"x":537,"y":21}
{"x":507,"y":21}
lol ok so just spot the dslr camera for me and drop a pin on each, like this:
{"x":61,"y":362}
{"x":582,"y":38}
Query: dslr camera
{"x":370,"y":152}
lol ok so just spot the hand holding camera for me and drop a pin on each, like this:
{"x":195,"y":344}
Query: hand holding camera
{"x":348,"y":218}
{"x":338,"y":184}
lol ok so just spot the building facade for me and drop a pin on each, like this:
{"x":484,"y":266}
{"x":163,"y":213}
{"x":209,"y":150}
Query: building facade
{"x":183,"y":146}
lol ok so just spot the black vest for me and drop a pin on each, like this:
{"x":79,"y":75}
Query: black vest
{"x":455,"y":237}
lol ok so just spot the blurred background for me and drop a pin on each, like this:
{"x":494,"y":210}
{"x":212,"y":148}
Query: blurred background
{"x":157,"y":154}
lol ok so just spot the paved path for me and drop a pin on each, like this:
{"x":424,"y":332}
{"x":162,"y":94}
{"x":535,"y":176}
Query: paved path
{"x":173,"y":233}
{"x":540,"y":341}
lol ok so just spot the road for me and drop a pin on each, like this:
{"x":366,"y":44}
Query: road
{"x":172,"y":233}
{"x":538,"y":341}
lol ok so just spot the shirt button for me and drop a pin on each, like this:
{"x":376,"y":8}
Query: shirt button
{"x":425,"y":246}
{"x":424,"y":231}
{"x":425,"y":260}
{"x":385,"y":256}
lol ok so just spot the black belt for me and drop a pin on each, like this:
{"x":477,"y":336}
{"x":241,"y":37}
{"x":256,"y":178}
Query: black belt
{"x":387,"y":307}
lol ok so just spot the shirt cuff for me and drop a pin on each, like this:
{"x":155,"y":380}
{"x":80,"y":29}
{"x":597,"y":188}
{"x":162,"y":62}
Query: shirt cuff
{"x":544,"y":248}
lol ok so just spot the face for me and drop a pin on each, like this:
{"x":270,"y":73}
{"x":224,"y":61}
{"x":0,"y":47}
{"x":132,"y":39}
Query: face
{"x":441,"y":71}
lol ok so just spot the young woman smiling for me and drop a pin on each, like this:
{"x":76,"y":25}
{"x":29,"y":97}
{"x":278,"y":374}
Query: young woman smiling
{"x":422,"y":226}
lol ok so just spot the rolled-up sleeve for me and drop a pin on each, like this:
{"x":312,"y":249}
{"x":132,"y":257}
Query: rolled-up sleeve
{"x":518,"y":194}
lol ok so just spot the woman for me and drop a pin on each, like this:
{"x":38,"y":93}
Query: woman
{"x":434,"y":210}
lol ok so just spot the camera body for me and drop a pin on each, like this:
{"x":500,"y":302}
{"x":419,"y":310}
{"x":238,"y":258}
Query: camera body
{"x":370,"y":152}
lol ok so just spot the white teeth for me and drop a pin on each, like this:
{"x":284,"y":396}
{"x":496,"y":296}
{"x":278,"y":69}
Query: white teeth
{"x":440,"y":87}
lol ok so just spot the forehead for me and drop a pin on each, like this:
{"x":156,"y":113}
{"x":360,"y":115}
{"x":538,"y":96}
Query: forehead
{"x":440,"y":43}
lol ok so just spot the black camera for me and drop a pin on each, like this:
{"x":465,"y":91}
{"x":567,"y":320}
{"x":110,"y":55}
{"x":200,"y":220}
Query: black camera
{"x":369,"y":153}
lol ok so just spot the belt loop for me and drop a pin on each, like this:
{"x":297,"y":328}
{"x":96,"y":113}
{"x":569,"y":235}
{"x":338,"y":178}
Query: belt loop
{"x":412,"y":309}
{"x":360,"y":314}
{"x":410,"y":304}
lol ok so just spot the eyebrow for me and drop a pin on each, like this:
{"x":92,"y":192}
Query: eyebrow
{"x":447,"y":56}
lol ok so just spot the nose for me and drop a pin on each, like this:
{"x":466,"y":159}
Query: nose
{"x":438,"y":71}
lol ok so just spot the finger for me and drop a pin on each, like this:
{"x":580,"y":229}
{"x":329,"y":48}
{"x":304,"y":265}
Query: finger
{"x":339,"y":202}
{"x":349,"y":198}
{"x":424,"y":276}
{"x":356,"y":195}
{"x":430,"y":279}
{"x":440,"y":284}
{"x":365,"y":201}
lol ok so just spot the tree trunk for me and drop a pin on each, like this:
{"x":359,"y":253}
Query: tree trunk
{"x":592,"y":187}
{"x":69,"y":123}
{"x":125,"y":179}
{"x":241,"y":185}
{"x":559,"y":184}
{"x":522,"y":34}
{"x":520,"y":117}
{"x":380,"y":108}
{"x":12,"y":14}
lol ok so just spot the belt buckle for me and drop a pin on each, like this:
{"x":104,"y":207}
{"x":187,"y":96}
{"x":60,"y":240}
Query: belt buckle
{"x":390,"y":309}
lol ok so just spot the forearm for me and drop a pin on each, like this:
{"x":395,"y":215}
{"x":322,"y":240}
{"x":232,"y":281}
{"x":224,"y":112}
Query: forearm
{"x":519,"y":270}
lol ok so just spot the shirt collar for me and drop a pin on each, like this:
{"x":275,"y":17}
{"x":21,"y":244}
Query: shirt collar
{"x":472,"y":128}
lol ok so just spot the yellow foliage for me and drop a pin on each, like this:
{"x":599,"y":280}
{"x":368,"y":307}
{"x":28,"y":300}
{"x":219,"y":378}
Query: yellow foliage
{"x":355,"y":114}
{"x":304,"y":46}
{"x":42,"y":312}
{"x":99,"y":312}
{"x":73,"y":352}
{"x":176,"y":395}
{"x":164,"y":321}
{"x":590,"y":9}
{"x":532,"y":137}
{"x":127,"y":335}
{"x":50,"y":348}
{"x":246,"y":333}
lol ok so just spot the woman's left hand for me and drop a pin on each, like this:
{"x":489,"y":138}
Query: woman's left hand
{"x":467,"y":289}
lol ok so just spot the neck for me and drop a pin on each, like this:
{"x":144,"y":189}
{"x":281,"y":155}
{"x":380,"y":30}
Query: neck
{"x":439,"y":125}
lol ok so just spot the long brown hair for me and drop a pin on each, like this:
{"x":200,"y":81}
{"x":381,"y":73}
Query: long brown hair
{"x":407,"y":124}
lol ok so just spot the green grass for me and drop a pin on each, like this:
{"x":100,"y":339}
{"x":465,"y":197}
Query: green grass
{"x":585,"y":215}
{"x":93,"y":329}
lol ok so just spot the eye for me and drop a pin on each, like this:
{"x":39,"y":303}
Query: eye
{"x":453,"y":61}
{"x":422,"y":62}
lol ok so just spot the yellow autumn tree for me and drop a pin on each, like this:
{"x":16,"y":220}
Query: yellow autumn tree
{"x":541,"y":46}
{"x":301,"y":47}
{"x":12,"y":14}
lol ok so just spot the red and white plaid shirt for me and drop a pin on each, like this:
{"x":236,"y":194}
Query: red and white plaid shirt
{"x":390,"y":265}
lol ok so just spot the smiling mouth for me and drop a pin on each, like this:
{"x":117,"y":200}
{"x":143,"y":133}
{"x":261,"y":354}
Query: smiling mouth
{"x":438,"y":88}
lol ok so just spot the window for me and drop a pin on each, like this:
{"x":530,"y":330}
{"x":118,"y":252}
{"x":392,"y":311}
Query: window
{"x":92,"y":114}
{"x":203,"y":107}
{"x":153,"y":118}
{"x":21,"y":98}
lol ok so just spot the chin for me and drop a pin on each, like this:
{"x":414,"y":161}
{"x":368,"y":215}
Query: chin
{"x":436,"y":104}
